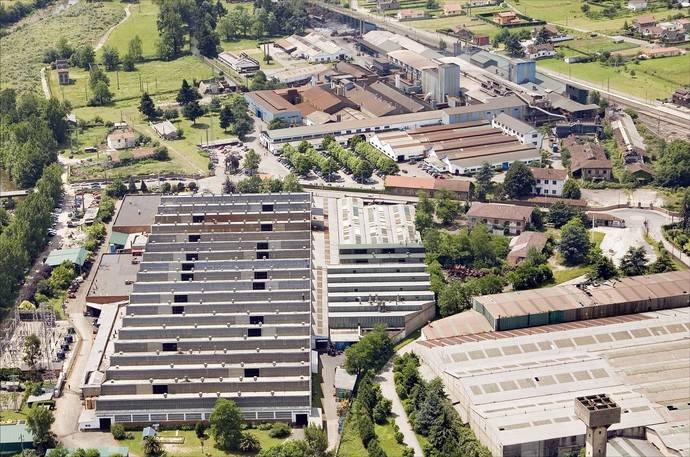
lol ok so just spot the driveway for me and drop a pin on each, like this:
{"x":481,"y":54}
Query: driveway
{"x":329,"y":403}
{"x":385,"y":380}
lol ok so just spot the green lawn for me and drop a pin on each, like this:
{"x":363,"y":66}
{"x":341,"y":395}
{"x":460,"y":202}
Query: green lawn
{"x":410,"y":338}
{"x":656,"y":78}
{"x":192,"y":444}
{"x":386,"y":437}
{"x":680,"y":266}
{"x":7,"y":413}
{"x":350,"y":442}
{"x":568,"y":273}
{"x":22,"y":50}
{"x":596,"y":44}
{"x":160,"y":79}
{"x":142,"y":22}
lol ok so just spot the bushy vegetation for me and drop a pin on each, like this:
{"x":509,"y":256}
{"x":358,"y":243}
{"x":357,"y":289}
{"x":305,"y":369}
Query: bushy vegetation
{"x":432,"y":414}
{"x":31,"y":128}
{"x":25,"y":234}
{"x":371,"y":352}
{"x":361,"y":169}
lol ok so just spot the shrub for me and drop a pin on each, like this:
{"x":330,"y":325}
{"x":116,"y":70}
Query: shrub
{"x":399,"y":437}
{"x":265,"y":426}
{"x":382,"y":410}
{"x":279,"y":430}
{"x":200,"y":429}
{"x":249,"y":443}
{"x":366,"y":429}
{"x":118,"y":431}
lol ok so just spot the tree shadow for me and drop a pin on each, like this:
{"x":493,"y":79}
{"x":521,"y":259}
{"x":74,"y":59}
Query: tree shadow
{"x":200,"y":126}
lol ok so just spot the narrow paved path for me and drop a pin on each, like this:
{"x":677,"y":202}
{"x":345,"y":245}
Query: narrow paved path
{"x":385,"y":379}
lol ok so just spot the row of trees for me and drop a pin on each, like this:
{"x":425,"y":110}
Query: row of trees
{"x":305,"y":158}
{"x":256,"y":185}
{"x":361,"y":169}
{"x":268,"y":19}
{"x":25,"y":235}
{"x":15,"y":11}
{"x":31,"y":128}
{"x":432,"y":414}
{"x":376,"y":158}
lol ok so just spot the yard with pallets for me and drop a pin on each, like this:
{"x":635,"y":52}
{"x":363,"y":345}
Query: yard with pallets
{"x":652,"y":79}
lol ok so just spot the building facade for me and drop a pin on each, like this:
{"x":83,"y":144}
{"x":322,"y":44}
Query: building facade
{"x":220,"y":309}
{"x":500,"y":218}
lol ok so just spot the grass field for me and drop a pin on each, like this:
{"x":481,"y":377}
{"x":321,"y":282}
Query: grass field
{"x":656,"y":78}
{"x":192,"y":444}
{"x":350,"y":441}
{"x":568,"y":13}
{"x":596,"y":44}
{"x":142,"y":22}
{"x":158,"y":78}
{"x":386,"y":437}
{"x":23,"y":49}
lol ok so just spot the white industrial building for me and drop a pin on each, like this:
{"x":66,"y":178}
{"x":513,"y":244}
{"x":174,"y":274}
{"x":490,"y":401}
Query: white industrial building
{"x":314,"y":47}
{"x":518,"y":128}
{"x":398,"y":145}
{"x":441,"y":82}
{"x":376,"y":273}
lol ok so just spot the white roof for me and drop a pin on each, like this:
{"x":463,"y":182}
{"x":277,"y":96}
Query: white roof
{"x":164,"y":128}
{"x":376,"y":224}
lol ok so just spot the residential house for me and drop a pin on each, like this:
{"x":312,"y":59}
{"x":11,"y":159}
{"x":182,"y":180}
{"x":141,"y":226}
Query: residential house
{"x":505,"y":17}
{"x":523,"y":243}
{"x":165,"y":130}
{"x":242,"y":63}
{"x":518,"y":128}
{"x":643,"y":22}
{"x":549,"y":181}
{"x":551,"y":31}
{"x":652,"y":32}
{"x":409,"y":14}
{"x":411,"y":185}
{"x":384,"y":5}
{"x":637,"y":5}
{"x":587,"y":159}
{"x":500,"y":217}
{"x":672,"y":36}
{"x":605,"y":220}
{"x":539,"y":51}
{"x":481,"y":40}
{"x":217,"y":86}
{"x":451,"y":9}
{"x":681,"y":97}
{"x":683,"y":24}
{"x":122,"y":138}
{"x":655,"y":53}
{"x":475,"y":3}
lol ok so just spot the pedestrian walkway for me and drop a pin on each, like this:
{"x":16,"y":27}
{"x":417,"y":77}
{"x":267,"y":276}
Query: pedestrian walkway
{"x":385,"y":379}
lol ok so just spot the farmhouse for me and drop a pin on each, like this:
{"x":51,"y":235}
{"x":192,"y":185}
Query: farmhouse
{"x":410,"y":14}
{"x":451,"y":9}
{"x":539,"y":51}
{"x":587,"y":159}
{"x":548,"y":181}
{"x":643,"y":22}
{"x":499,"y":217}
{"x":637,"y":5}
{"x":505,"y":17}
{"x":654,"y":53}
{"x":121,"y":138}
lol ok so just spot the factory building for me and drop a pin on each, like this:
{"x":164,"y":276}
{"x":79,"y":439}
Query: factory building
{"x":220,"y":309}
{"x":376,"y":273}
{"x":269,"y":105}
{"x":441,"y":82}
{"x":514,"y":365}
{"x":510,"y":105}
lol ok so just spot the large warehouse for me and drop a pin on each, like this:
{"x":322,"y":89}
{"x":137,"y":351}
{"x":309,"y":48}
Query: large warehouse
{"x":220,"y":309}
{"x":515,"y":385}
{"x":376,"y":274}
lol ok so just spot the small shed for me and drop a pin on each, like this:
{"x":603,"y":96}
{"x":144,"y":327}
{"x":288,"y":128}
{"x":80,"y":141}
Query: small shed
{"x":165,"y":130}
{"x":42,"y":399}
{"x":344,"y":383}
{"x":75,"y":255}
{"x":148,"y":431}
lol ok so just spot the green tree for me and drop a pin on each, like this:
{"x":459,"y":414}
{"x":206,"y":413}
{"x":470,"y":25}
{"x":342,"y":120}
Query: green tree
{"x":602,"y":268}
{"x":128,"y":63}
{"x":634,"y":261}
{"x":118,"y":431}
{"x":111,"y":58}
{"x":685,"y":211}
{"x":101,"y":94}
{"x":277,"y":123}
{"x":147,"y":107}
{"x":192,"y":111}
{"x":187,"y":94}
{"x":153,"y":447}
{"x":116,"y":189}
{"x":483,"y":184}
{"x":135,"y":49}
{"x":575,"y":245}
{"x":249,"y":443}
{"x":518,"y":181}
{"x":673,"y":166}
{"x":447,"y":207}
{"x":663,"y":263}
{"x":251,"y":162}
{"x":371,"y":352}
{"x":172,"y":28}
{"x":560,"y":214}
{"x":291,"y":184}
{"x":226,"y":117}
{"x":226,"y":424}
{"x":38,"y":422}
{"x":32,"y":350}
{"x":571,"y":189}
